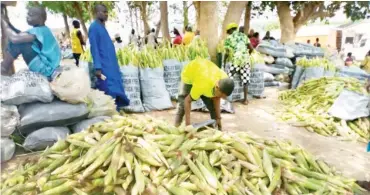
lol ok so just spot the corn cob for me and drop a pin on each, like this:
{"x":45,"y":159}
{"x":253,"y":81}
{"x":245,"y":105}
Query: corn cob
{"x":224,"y":163}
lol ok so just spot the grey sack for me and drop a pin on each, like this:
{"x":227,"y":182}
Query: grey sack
{"x":284,"y":61}
{"x":9,"y":119}
{"x":7,"y":148}
{"x":131,"y":84}
{"x":298,"y":72}
{"x":172,"y":76}
{"x":350,"y":105}
{"x":45,"y":137}
{"x":153,"y":88}
{"x":238,"y":92}
{"x":311,"y":73}
{"x":256,"y":86}
{"x":38,"y":115}
{"x":80,"y":126}
{"x":25,"y":87}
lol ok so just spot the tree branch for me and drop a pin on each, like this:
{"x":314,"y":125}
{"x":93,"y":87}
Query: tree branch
{"x":308,"y":12}
{"x":190,"y":5}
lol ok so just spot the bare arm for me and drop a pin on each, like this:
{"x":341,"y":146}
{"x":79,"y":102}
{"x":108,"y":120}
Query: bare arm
{"x":187,"y":107}
{"x":79,"y":35}
{"x":250,"y":48}
{"x":16,"y":37}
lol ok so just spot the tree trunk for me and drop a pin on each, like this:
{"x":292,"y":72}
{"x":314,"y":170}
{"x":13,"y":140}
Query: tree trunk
{"x":79,"y":16}
{"x":4,"y":38}
{"x":137,"y":22}
{"x":208,"y":26}
{"x":158,"y":27}
{"x":286,"y":22}
{"x":233,"y":14}
{"x":247,"y":17}
{"x":185,"y":13}
{"x":65,"y":19}
{"x":197,"y":10}
{"x":144,"y":16}
{"x":164,"y":19}
{"x":131,"y":18}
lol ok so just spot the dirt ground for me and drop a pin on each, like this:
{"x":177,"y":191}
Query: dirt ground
{"x":349,"y":158}
{"x":258,"y":118}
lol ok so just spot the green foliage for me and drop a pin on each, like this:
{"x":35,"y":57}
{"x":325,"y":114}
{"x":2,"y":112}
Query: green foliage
{"x":357,"y":10}
{"x":70,"y":7}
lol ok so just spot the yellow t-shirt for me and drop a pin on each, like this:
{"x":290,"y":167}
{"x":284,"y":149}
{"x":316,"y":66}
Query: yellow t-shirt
{"x":76,"y":43}
{"x":203,"y":75}
{"x":366,"y":64}
{"x":188,"y":38}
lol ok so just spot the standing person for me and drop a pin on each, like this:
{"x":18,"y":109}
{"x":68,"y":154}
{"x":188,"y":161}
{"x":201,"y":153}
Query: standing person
{"x":366,"y":63}
{"x":139,"y":41}
{"x":152,"y":39}
{"x":308,"y":41}
{"x":189,"y":36}
{"x":317,"y":44}
{"x":77,"y":41}
{"x":203,"y":79}
{"x":349,"y":59}
{"x":38,"y":46}
{"x":237,"y":45}
{"x":118,"y":43}
{"x":133,"y":38}
{"x":241,"y":29}
{"x":178,"y":38}
{"x":250,"y":34}
{"x":105,"y":60}
{"x":255,"y":40}
{"x":268,"y":37}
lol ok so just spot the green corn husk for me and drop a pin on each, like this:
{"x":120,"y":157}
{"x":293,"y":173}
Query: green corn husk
{"x":166,"y":160}
{"x":308,"y":106}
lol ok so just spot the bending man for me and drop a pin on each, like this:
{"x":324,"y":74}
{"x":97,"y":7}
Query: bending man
{"x":203,"y":79}
{"x":104,"y":59}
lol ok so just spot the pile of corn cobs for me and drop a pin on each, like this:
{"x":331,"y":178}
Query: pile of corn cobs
{"x":128,"y":155}
{"x":309,"y":105}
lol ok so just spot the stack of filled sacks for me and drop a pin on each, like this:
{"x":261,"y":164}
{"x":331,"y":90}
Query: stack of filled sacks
{"x":282,"y":67}
{"x":302,"y":49}
{"x":29,"y":105}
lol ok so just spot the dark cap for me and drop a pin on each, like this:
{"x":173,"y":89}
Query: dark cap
{"x":226,"y":86}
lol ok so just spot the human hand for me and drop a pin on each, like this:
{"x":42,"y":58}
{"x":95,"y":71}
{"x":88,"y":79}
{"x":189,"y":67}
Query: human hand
{"x":98,"y":73}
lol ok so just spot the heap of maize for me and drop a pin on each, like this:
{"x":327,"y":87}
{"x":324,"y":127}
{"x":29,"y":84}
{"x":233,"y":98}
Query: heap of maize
{"x":309,"y":105}
{"x":127,"y":155}
{"x":150,"y":57}
{"x":316,"y":62}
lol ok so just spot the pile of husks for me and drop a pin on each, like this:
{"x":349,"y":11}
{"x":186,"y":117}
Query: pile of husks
{"x":309,"y":105}
{"x":126,"y":155}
